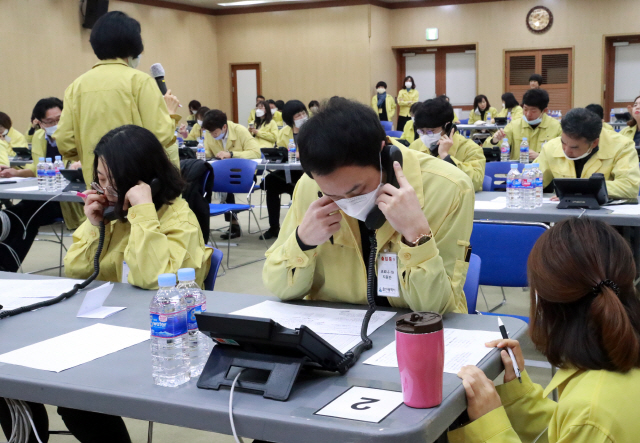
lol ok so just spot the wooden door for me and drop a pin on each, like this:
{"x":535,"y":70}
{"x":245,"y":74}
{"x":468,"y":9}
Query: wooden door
{"x":246,"y":84}
{"x":556,"y":68}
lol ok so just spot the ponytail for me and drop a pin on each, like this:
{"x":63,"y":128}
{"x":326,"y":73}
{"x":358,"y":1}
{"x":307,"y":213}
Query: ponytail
{"x":618,"y":335}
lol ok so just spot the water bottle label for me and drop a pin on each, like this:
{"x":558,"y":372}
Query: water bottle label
{"x":42,"y":173}
{"x":538,"y":182}
{"x":526,"y":183}
{"x":524,"y":149}
{"x":516,"y":182}
{"x":192,"y":323}
{"x":168,"y":325}
{"x":505,"y":149}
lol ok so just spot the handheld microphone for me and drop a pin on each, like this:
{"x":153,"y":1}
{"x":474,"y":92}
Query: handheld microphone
{"x":157,"y":71}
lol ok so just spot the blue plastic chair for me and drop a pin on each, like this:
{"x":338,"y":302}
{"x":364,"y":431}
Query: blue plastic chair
{"x":504,"y":248}
{"x":388,"y":126}
{"x":487,"y":184}
{"x":396,"y":134}
{"x":464,"y":121}
{"x":472,"y":283}
{"x":235,"y":176}
{"x":499,"y":168}
{"x":216,"y":261}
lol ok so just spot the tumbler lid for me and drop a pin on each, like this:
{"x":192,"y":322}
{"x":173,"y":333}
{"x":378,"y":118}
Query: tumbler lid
{"x":419,"y":323}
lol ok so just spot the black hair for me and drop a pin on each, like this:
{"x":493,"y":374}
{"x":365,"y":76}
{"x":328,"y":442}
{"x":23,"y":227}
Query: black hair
{"x":291,"y":108}
{"x":343,"y":133}
{"x":267,"y":114}
{"x":133,"y":154}
{"x":201,"y":112}
{"x":194,"y":104}
{"x":313,"y":103}
{"x":260,"y":96}
{"x":536,"y":78}
{"x":5,"y":121}
{"x":538,"y":98}
{"x":214,"y":119}
{"x":434,"y":113}
{"x":582,"y":123}
{"x":280,"y":105}
{"x":597,"y":109}
{"x":116,"y":35}
{"x":444,"y":97}
{"x":509,"y":100}
{"x":478,"y":100}
{"x":414,"y":107}
{"x":383,"y":84}
{"x":408,"y":77}
{"x":43,"y":105}
{"x":272,"y":102}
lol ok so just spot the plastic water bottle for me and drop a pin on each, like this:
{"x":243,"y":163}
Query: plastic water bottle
{"x":180,"y":141}
{"x":200,"y":153}
{"x":527,"y":190}
{"x":509,"y":117}
{"x":488,"y":118}
{"x":537,"y":184}
{"x":50,"y":183}
{"x":524,"y":150}
{"x":505,"y":150}
{"x":168,"y":312}
{"x":198,"y":344}
{"x":292,"y":151}
{"x":612,"y":116}
{"x":41,"y":171}
{"x":559,"y":116}
{"x":57,"y":167}
{"x":513,"y":187}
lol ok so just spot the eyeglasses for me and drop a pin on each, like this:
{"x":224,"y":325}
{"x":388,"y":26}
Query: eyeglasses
{"x":51,"y":121}
{"x":426,"y":132}
{"x":108,"y":190}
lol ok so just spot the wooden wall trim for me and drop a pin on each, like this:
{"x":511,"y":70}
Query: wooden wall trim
{"x":301,"y":6}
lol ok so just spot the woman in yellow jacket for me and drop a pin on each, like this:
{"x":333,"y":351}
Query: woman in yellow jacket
{"x":113,"y":94}
{"x":277,"y":115}
{"x":292,"y":126}
{"x":9,"y":136}
{"x":481,"y":110}
{"x":160,"y":234}
{"x":264,"y":128}
{"x":406,"y":97}
{"x":631,"y":131}
{"x":196,"y":130}
{"x":510,"y":106}
{"x":383,"y":103}
{"x":585,"y":318}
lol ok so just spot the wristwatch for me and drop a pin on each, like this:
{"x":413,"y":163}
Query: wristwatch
{"x":231,"y":154}
{"x":421,"y":240}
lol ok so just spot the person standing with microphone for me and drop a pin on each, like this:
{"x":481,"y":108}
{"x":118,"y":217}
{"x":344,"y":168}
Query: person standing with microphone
{"x":113,"y":93}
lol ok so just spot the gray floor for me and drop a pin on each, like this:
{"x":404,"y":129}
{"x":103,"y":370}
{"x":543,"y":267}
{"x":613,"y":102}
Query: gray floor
{"x":248,"y":279}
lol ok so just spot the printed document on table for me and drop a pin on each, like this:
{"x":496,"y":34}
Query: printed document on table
{"x":75,"y":348}
{"x":92,"y":304}
{"x":26,"y":189}
{"x":461,"y":347}
{"x":16,"y":293}
{"x":320,"y":320}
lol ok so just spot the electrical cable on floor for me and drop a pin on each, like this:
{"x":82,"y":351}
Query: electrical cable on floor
{"x":34,"y":214}
{"x":233,"y":426}
{"x":22,"y":422}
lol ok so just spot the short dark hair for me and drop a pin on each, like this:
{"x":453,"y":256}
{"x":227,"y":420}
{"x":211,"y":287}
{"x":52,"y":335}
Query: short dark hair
{"x":414,"y":107}
{"x":478,"y":100}
{"x":280,"y":105}
{"x":582,"y":123}
{"x":272,"y":102}
{"x":383,"y":84}
{"x":116,"y":35}
{"x":444,"y":97}
{"x":343,"y":133}
{"x":134,"y":154}
{"x":194,"y":104}
{"x":201,"y":112}
{"x":260,"y":96}
{"x":5,"y":121}
{"x":313,"y":103}
{"x":596,"y":109}
{"x":44,"y":104}
{"x":575,"y":321}
{"x":433,"y":113}
{"x":408,"y":77}
{"x":291,"y":108}
{"x":214,"y":119}
{"x":538,"y":98}
{"x":536,"y":78}
{"x":509,"y":100}
{"x":267,"y":113}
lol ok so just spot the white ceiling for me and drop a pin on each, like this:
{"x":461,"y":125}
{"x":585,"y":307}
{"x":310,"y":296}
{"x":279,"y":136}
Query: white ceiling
{"x":213,"y":4}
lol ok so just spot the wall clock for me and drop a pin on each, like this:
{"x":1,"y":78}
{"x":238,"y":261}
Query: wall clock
{"x":539,"y":19}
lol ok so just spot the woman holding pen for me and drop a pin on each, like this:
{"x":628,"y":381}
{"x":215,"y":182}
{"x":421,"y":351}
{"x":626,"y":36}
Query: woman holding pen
{"x":585,"y":318}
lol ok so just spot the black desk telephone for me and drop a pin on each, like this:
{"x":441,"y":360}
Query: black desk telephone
{"x":388,"y":155}
{"x":446,"y":130}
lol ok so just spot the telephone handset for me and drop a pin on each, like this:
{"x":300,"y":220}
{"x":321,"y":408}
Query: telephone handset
{"x":109,"y":213}
{"x":388,"y":155}
{"x":446,"y":130}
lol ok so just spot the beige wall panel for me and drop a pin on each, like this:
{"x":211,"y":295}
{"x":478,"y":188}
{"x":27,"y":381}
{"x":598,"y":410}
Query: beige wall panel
{"x":383,"y":62}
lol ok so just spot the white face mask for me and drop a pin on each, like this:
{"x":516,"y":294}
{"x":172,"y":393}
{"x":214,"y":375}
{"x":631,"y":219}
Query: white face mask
{"x":6,"y":131}
{"x":314,"y":109}
{"x":428,"y":140}
{"x":359,"y":207}
{"x":221,"y":136}
{"x":199,"y":123}
{"x":413,"y":119}
{"x":300,"y":122}
{"x":381,"y":90}
{"x":533,"y":122}
{"x":50,"y":130}
{"x":259,"y":112}
{"x":503,"y":106}
{"x":193,"y":112}
{"x":134,"y":62}
{"x":408,"y":85}
{"x":273,"y":111}
{"x":586,"y":154}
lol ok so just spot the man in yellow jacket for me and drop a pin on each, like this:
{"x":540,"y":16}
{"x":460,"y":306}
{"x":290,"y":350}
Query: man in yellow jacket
{"x":10,"y":137}
{"x":434,"y":119}
{"x":535,"y":125}
{"x":383,"y":103}
{"x":323,"y":248}
{"x":113,"y":93}
{"x":584,"y":149}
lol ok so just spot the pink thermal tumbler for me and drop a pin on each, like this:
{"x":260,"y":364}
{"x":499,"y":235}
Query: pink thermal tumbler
{"x":420,"y":349}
